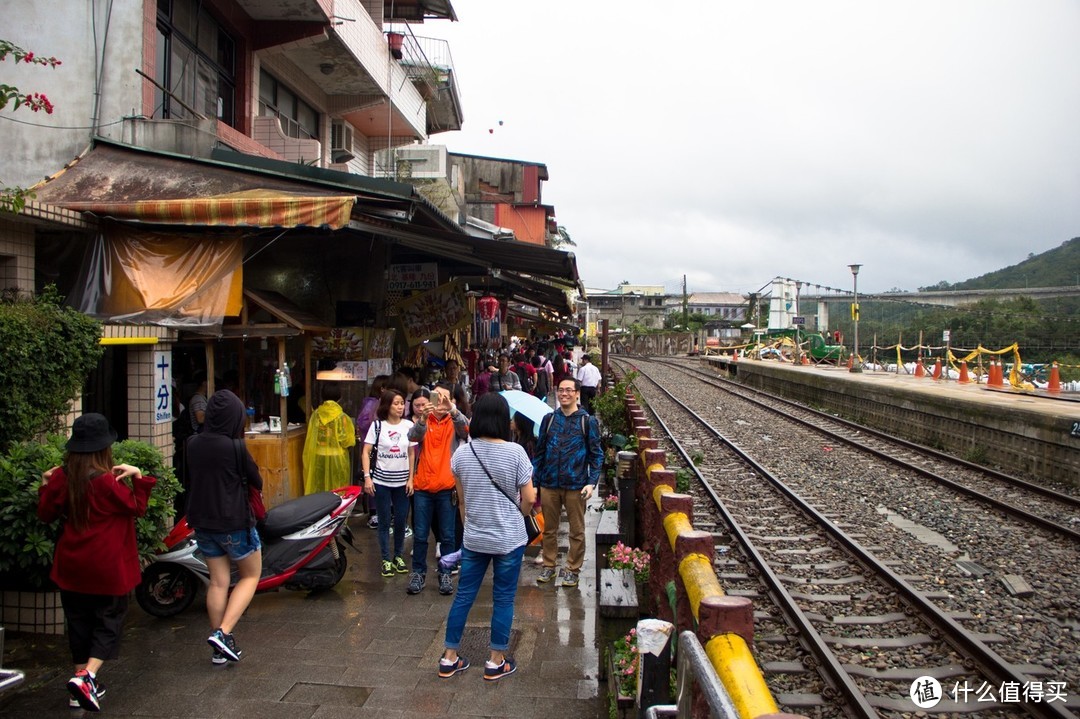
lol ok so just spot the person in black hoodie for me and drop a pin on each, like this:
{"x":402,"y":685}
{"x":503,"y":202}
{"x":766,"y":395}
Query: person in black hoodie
{"x":220,"y":469}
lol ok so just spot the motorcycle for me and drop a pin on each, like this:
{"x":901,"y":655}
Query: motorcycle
{"x":301,"y":545}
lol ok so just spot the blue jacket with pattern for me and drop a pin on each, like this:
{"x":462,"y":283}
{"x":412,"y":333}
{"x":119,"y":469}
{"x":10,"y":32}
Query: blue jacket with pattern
{"x":565,"y":457}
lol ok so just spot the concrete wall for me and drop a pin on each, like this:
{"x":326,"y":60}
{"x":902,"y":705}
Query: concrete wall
{"x":1019,"y":440}
{"x":66,"y":31}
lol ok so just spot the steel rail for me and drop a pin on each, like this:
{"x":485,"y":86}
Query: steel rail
{"x":1010,"y":509}
{"x":953,"y":633}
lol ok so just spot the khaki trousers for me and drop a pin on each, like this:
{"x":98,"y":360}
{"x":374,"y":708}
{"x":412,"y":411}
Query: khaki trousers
{"x":552,"y":501}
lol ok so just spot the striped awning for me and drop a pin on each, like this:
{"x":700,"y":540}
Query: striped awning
{"x":247,"y":208}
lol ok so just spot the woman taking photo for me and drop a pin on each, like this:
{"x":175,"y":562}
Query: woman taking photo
{"x":489,"y":472}
{"x":218,"y":510}
{"x":96,"y":564}
{"x":389,"y":479}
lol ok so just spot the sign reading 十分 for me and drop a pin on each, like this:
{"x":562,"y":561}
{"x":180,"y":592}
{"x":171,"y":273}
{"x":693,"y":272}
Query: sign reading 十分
{"x":163,"y":389}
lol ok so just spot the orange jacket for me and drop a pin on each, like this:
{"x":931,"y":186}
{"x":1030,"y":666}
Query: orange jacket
{"x":438,"y":439}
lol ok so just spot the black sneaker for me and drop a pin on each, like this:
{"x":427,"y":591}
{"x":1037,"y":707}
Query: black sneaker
{"x":225,"y":644}
{"x":217,"y":658}
{"x":416,"y":583}
{"x":84,"y":690}
{"x":73,"y":703}
{"x":446,"y":584}
{"x":373,"y":523}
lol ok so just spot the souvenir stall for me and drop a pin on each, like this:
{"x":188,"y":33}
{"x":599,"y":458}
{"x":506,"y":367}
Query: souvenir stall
{"x":266,"y":360}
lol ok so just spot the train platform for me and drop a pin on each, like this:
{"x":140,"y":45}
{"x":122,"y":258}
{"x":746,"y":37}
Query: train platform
{"x":364,"y":649}
{"x":1032,"y":432}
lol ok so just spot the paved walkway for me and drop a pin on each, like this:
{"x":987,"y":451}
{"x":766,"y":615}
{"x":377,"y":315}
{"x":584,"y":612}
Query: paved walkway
{"x":365,"y":649}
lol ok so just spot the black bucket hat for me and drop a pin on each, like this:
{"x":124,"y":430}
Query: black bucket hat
{"x":91,"y":433}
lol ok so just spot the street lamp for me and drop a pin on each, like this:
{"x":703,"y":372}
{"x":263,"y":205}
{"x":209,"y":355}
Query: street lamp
{"x":798,"y":286}
{"x":856,"y":363}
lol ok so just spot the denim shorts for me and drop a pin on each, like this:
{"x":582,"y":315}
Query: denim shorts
{"x":236,"y":545}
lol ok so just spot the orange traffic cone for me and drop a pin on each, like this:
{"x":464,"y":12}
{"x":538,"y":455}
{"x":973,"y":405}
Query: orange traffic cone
{"x":850,"y":361}
{"x":996,"y":378}
{"x":919,"y":371}
{"x":937,"y":369}
{"x":1055,"y":379}
{"x":805,"y":360}
{"x":964,"y":379}
{"x":735,"y":356}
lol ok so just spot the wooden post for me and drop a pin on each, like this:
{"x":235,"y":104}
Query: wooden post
{"x":654,"y":664}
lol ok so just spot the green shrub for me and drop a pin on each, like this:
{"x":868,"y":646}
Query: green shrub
{"x":610,"y":408}
{"x":26,"y":545}
{"x":46,"y":353}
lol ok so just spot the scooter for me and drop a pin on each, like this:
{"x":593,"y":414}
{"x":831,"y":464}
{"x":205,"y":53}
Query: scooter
{"x":301,"y":545}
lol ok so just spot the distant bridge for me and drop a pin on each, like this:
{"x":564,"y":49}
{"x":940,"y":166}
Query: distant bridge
{"x":952,"y":298}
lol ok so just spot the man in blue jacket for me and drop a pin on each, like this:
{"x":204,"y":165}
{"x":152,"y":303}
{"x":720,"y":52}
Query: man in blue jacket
{"x":566,"y":467}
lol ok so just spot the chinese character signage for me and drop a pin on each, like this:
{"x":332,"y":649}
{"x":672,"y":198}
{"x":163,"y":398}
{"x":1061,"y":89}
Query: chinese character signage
{"x":418,"y":276}
{"x":163,"y":388}
{"x":434,"y":313}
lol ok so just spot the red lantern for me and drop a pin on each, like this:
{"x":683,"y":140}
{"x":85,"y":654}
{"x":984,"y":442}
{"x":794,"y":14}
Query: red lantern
{"x":487,"y":320}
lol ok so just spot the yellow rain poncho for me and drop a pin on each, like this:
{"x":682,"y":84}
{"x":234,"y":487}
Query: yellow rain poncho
{"x":326,"y":449}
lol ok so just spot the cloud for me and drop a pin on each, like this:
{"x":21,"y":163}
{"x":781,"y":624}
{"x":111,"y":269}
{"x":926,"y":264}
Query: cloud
{"x":735,"y":142}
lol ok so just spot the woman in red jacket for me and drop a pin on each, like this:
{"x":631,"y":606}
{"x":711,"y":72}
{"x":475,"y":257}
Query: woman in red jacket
{"x":96,"y":564}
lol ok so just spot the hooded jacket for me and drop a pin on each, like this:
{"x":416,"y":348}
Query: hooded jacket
{"x":330,"y":433}
{"x":217,"y":490}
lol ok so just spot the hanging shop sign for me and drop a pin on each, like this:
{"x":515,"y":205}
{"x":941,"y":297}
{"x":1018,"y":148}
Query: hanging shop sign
{"x":416,"y":276}
{"x":438,"y":312}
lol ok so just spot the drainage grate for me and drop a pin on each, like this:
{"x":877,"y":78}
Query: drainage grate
{"x":476,"y":643}
{"x":328,"y":694}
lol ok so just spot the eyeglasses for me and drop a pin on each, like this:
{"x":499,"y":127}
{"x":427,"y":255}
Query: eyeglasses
{"x":566,"y":390}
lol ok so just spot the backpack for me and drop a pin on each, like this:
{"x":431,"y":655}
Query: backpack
{"x":527,"y":382}
{"x":541,"y":389}
{"x":545,"y":424}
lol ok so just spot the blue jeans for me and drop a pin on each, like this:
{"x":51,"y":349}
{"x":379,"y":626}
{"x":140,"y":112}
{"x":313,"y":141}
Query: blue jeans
{"x":391,"y":501}
{"x":506,"y":569}
{"x":427,"y":505}
{"x":235,"y":545}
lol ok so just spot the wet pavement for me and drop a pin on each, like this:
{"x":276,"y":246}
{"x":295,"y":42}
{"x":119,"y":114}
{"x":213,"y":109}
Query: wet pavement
{"x":365,"y":649}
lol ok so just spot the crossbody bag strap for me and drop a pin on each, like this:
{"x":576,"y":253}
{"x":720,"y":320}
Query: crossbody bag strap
{"x":504,"y":492}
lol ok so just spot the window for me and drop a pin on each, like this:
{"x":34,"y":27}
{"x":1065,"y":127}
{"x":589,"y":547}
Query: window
{"x":196,"y":61}
{"x":298,"y":119}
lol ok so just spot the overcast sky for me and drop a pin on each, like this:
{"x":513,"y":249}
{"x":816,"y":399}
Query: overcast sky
{"x":738,"y":141}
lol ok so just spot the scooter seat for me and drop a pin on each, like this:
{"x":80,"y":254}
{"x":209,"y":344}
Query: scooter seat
{"x":298,"y":513}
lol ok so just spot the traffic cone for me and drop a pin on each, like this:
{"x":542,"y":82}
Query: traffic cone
{"x":805,"y":360}
{"x":937,"y":368}
{"x":735,"y":356}
{"x":996,"y":377}
{"x":919,"y":371}
{"x":1055,"y":379}
{"x":964,"y":379}
{"x":850,"y":361}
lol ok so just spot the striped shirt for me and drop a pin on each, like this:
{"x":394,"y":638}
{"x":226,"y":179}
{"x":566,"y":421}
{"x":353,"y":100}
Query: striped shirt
{"x":493,"y":524}
{"x":392,"y":465}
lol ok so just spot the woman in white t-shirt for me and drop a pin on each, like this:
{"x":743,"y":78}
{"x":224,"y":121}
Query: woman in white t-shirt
{"x":390,"y":480}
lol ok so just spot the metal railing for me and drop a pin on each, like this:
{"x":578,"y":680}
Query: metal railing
{"x":696,"y":677}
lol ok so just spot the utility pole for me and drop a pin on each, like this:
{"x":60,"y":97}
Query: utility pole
{"x":685,"y":305}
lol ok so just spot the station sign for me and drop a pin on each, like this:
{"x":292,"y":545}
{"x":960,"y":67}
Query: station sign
{"x":163,"y":389}
{"x":800,"y":321}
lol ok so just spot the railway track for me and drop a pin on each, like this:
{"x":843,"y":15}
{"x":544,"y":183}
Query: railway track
{"x":852,"y":610}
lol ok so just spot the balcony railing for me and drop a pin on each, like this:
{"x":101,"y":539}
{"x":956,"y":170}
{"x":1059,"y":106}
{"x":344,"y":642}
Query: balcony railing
{"x":426,"y":60}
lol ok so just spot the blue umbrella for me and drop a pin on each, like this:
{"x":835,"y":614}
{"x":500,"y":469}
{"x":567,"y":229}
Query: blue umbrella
{"x":529,"y":405}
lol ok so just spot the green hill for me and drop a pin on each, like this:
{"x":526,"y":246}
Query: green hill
{"x":1058,"y":267}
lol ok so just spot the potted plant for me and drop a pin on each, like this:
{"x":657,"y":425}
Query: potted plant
{"x":395,"y":40}
{"x":28,"y":600}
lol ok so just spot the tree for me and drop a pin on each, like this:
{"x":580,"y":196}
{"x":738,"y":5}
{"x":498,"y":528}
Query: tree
{"x":13,"y":199}
{"x":562,"y":238}
{"x":46,"y":352}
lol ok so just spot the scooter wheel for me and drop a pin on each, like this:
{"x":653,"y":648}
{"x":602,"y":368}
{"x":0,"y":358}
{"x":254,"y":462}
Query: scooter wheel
{"x":166,"y":590}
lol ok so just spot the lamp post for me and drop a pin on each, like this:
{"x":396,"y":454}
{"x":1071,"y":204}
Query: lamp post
{"x":856,"y":362}
{"x":798,"y":286}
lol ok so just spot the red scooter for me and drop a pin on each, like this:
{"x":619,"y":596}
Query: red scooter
{"x":302,"y":550}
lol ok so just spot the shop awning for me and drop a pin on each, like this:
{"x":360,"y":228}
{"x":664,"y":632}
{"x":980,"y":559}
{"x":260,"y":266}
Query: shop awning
{"x":247,"y":208}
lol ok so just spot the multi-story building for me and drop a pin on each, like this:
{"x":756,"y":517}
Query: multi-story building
{"x":628,"y":305}
{"x":258,"y":147}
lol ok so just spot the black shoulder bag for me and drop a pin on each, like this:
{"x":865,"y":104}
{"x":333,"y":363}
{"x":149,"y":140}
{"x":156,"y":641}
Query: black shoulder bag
{"x":532,"y":529}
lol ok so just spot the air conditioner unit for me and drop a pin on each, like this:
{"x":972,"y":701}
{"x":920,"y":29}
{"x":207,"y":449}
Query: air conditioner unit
{"x":341,"y":141}
{"x":424,"y":161}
